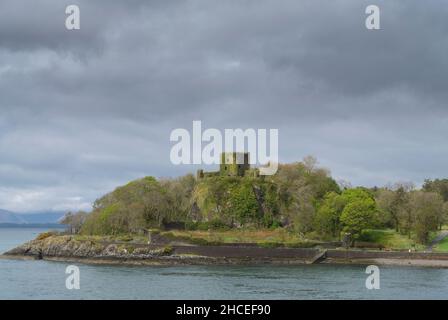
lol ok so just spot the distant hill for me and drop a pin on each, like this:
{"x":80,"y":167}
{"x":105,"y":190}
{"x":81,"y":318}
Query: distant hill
{"x":32,"y":218}
{"x":51,"y":217}
{"x":10,"y":217}
{"x":55,"y":226}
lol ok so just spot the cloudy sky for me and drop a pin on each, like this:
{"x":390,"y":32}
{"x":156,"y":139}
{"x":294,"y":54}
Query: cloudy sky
{"x":82,"y":112}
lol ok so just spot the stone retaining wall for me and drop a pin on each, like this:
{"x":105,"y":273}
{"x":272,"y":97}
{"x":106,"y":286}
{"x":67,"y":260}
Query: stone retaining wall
{"x":249,"y":252}
{"x":302,"y":253}
{"x":365,"y":254}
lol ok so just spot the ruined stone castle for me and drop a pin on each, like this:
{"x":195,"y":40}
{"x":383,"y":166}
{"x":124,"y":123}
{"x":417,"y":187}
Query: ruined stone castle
{"x":233,"y":164}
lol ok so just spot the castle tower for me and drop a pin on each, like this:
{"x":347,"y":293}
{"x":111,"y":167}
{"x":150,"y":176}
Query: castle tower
{"x":234,"y":164}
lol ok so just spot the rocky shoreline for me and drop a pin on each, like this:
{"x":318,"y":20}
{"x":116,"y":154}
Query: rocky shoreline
{"x":69,"y":249}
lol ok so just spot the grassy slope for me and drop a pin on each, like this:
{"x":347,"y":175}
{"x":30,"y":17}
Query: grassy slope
{"x":388,"y":238}
{"x":264,"y":236}
{"x":391,"y":239}
{"x":277,"y":235}
{"x":442,"y":246}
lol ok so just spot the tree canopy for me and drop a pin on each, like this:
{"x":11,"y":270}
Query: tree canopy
{"x":301,"y":196}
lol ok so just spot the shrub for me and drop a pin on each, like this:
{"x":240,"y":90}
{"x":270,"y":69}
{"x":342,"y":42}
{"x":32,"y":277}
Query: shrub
{"x":168,"y":250}
{"x":215,"y":224}
{"x":130,"y":249}
{"x":46,"y":235}
{"x":218,"y":225}
{"x":275,"y":224}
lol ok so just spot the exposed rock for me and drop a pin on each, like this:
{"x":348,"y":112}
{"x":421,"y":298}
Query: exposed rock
{"x":111,"y":250}
{"x":69,"y":247}
{"x":141,"y":251}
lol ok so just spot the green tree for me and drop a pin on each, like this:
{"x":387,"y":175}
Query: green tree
{"x":392,"y":207}
{"x":74,"y":221}
{"x":426,"y":208}
{"x":359,"y":211}
{"x":243,"y":205}
{"x":329,"y":214}
{"x":301,"y":186}
{"x":439,"y":186}
{"x":139,"y":204}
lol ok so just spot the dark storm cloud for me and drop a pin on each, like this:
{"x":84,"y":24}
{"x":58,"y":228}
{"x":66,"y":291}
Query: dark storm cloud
{"x":83,"y":111}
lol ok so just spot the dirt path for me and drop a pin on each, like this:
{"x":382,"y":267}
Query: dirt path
{"x":442,"y":235}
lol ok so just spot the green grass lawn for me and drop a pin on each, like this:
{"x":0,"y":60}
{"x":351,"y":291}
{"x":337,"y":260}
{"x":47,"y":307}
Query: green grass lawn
{"x":238,"y":235}
{"x":442,"y":246}
{"x":390,"y":239}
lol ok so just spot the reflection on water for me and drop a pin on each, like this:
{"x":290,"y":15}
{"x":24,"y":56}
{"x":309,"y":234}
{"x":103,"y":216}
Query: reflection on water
{"x":46,"y":280}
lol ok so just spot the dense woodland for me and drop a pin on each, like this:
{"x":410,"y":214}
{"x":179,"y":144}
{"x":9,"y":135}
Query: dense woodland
{"x":301,"y":197}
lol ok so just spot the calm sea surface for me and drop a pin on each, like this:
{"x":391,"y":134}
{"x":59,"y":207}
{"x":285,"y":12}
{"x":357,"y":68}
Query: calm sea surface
{"x":46,"y":280}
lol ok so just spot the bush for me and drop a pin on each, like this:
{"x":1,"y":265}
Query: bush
{"x":218,"y":225}
{"x":46,"y":235}
{"x":130,"y":249}
{"x":202,"y":226}
{"x":168,"y":250}
{"x":275,"y":224}
{"x":190,"y":225}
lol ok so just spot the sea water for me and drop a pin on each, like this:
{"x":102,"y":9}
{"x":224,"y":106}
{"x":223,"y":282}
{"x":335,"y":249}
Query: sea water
{"x":32,"y":279}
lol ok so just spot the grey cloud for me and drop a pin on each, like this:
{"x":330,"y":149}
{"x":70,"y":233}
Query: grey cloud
{"x":84,"y":111}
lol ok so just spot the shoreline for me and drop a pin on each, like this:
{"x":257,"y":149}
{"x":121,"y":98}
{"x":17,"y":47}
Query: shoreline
{"x":68,"y":249}
{"x":427,"y":263}
{"x":208,"y":261}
